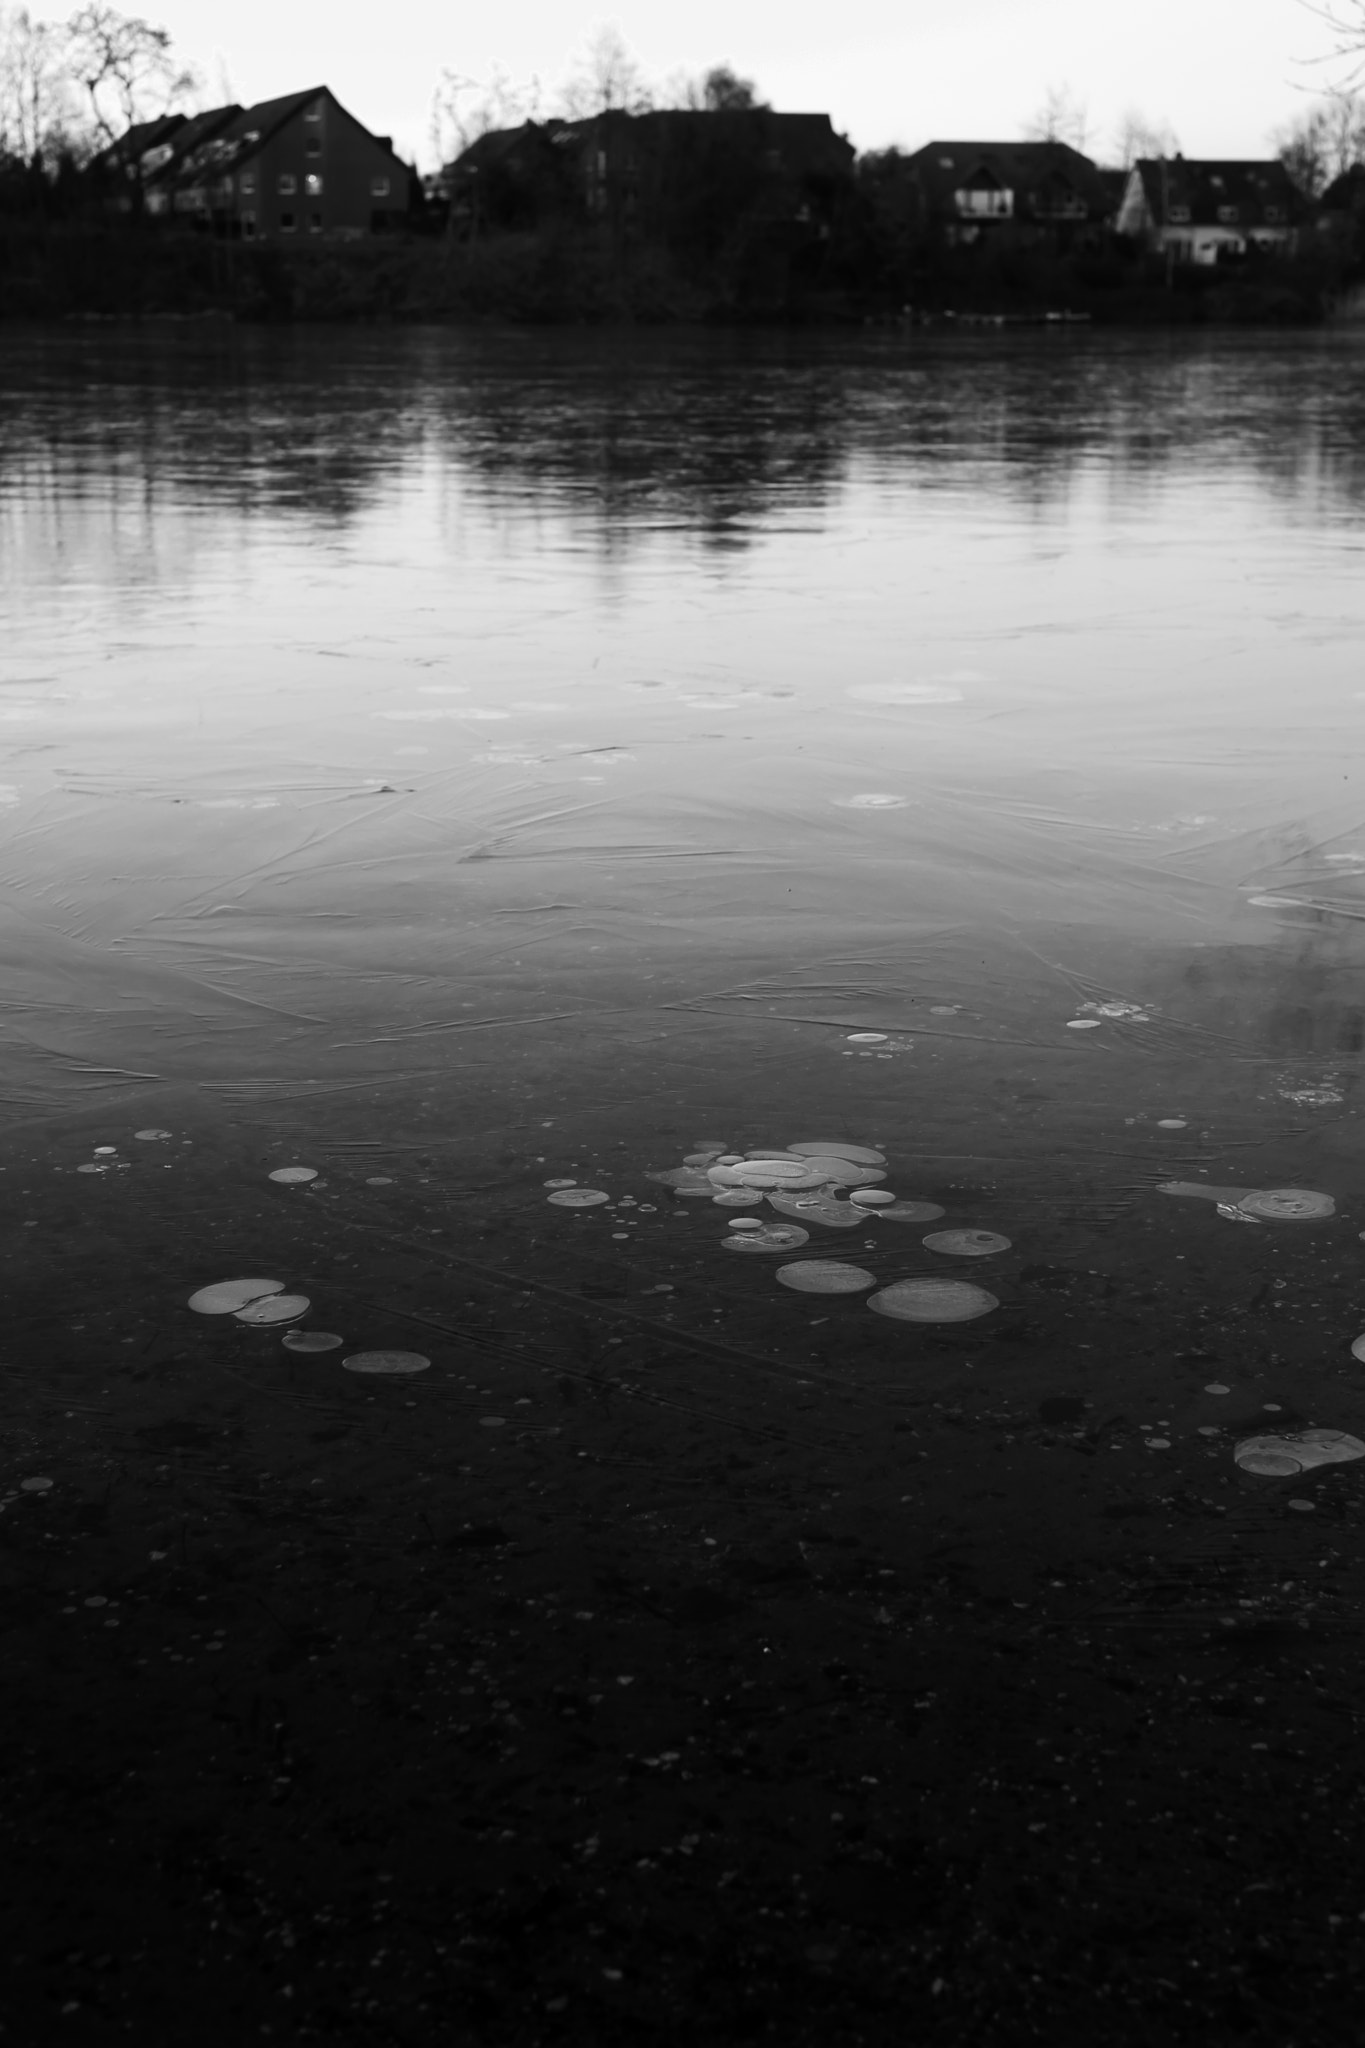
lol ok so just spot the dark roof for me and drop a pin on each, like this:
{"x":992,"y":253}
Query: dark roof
{"x":808,"y":142}
{"x":1203,"y":184}
{"x":135,"y":141}
{"x":941,"y":169}
{"x":247,"y":130}
{"x":188,"y":136}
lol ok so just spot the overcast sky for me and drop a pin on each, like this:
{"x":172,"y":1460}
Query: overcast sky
{"x":1223,"y":73}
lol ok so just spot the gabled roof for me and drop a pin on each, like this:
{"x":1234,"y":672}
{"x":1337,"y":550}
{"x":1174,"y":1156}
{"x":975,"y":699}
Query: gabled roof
{"x":941,"y":169}
{"x":234,"y":141}
{"x":804,"y":142}
{"x":1202,"y":185}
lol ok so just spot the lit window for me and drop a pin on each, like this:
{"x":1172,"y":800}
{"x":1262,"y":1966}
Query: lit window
{"x":248,"y":182}
{"x":313,"y":185}
{"x":288,"y":184}
{"x":379,"y":188}
{"x":315,"y":223}
{"x":286,"y":223}
{"x":312,"y":145}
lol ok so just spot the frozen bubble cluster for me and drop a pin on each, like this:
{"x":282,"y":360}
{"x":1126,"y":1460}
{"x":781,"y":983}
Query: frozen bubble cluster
{"x":1288,"y":1453}
{"x":831,"y":1184}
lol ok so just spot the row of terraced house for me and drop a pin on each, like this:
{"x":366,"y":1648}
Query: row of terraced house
{"x":302,"y":167}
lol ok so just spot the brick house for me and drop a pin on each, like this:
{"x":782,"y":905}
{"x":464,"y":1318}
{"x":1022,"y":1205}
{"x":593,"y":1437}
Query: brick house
{"x":296,"y":168}
{"x":1044,"y":191}
{"x":1202,"y":210}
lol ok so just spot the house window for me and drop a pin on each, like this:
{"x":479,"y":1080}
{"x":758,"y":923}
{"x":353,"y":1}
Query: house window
{"x":1177,"y":213}
{"x":315,"y":223}
{"x":313,"y":185}
{"x":286,"y":223}
{"x":248,"y":227}
{"x":985,"y":202}
{"x":945,"y":163}
{"x":1227,"y":214}
{"x":379,"y":188}
{"x":288,"y":184}
{"x":313,"y":113}
{"x":312,"y":145}
{"x":248,"y":182}
{"x":1274,"y":214}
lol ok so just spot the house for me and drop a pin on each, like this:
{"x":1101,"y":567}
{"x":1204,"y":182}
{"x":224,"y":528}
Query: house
{"x":286,"y":169}
{"x":677,"y":175}
{"x":1201,"y":210}
{"x":1046,"y":190}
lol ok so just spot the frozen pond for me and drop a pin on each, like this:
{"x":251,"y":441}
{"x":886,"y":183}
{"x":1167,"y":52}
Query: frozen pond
{"x":456,"y":762}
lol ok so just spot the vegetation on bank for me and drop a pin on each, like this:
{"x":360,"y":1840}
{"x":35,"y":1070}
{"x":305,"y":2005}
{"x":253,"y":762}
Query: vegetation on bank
{"x":570,"y":273}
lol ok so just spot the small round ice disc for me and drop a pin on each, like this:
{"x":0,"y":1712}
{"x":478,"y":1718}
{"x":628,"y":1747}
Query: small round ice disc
{"x":825,"y":1276}
{"x":1287,"y":1205}
{"x":577,"y":1198}
{"x":386,"y":1361}
{"x":872,"y":1198}
{"x":311,"y":1340}
{"x":933,"y":1301}
{"x":274,"y":1308}
{"x":225,"y":1297}
{"x":967,"y":1244}
{"x":294,"y":1173}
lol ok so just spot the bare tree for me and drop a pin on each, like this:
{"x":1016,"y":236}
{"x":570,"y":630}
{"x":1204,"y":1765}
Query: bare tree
{"x":608,"y":79}
{"x":126,"y":67}
{"x":1346,"y":20}
{"x":39,"y":117}
{"x":1323,"y":142}
{"x":1137,"y":136}
{"x":1061,"y":118}
{"x":463,"y":109}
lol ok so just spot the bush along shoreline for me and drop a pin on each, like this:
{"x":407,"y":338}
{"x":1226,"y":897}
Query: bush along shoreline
{"x":580,"y":275}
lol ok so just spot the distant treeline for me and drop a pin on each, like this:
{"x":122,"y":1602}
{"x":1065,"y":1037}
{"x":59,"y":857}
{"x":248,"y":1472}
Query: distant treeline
{"x":62,"y":258}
